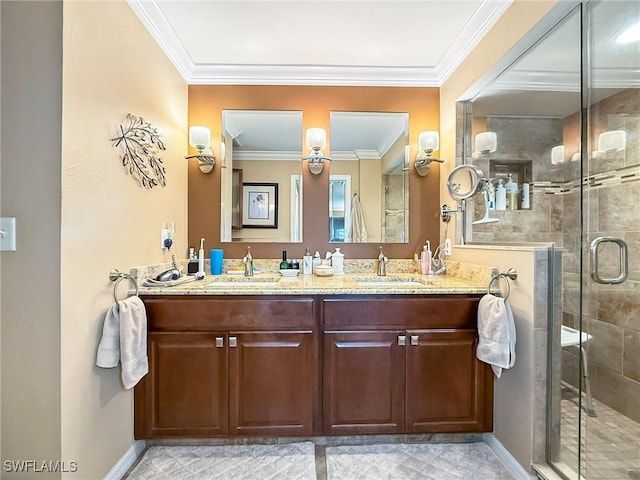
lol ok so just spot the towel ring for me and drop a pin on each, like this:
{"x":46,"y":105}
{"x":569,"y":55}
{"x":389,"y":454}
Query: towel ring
{"x":509,"y":274}
{"x":499,"y":277}
{"x":116,"y":276}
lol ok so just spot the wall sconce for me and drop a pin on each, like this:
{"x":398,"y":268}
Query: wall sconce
{"x":316,"y":141}
{"x":485,"y":143}
{"x":428,"y":142}
{"x":200,"y":139}
{"x":557,"y":155}
{"x":610,"y":142}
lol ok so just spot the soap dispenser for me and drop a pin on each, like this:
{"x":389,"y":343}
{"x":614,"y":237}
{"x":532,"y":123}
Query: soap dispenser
{"x":425,"y":259}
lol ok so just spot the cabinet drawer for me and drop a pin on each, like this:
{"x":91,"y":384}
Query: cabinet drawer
{"x":179,"y":313}
{"x":406,"y":311}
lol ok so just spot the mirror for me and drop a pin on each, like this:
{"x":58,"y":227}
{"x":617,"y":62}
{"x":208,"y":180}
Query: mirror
{"x":369,"y":183}
{"x":465,"y":181}
{"x":261,"y":176}
{"x":531,"y":107}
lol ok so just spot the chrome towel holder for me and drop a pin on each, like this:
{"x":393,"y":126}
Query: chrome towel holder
{"x":116,"y":276}
{"x":512,"y":274}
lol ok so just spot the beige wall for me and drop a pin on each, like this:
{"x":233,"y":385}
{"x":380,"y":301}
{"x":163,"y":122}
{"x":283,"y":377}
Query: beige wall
{"x":112,"y":67}
{"x":30,"y":178}
{"x":523,"y":436}
{"x":519,"y":19}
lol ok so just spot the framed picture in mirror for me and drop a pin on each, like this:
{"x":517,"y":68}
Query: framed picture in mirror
{"x":260,"y":205}
{"x":236,"y":199}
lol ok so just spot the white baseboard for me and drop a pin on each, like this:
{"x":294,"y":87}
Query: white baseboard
{"x":506,"y":458}
{"x":124,"y":464}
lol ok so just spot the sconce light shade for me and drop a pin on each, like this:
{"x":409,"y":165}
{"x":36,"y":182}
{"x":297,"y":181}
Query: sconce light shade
{"x":429,"y":141}
{"x":316,"y":141}
{"x":200,"y":139}
{"x":557,"y":155}
{"x":612,"y":141}
{"x":316,"y":138}
{"x":486,"y":142}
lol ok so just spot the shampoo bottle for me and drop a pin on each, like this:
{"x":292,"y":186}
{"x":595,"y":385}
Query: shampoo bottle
{"x":525,"y":196}
{"x":512,"y":193}
{"x":501,"y":196}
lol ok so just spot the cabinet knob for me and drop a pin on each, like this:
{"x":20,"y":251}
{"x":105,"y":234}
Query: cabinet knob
{"x":233,"y":342}
{"x":415,"y":340}
{"x":402,"y":340}
{"x":219,"y":342}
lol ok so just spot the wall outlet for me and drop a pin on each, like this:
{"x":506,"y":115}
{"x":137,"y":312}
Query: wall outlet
{"x":447,"y":247}
{"x":165,"y":234}
{"x":8,"y":234}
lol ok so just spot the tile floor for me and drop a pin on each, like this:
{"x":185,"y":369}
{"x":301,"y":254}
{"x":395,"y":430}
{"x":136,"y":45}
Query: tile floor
{"x":398,"y":461}
{"x":610,"y":441}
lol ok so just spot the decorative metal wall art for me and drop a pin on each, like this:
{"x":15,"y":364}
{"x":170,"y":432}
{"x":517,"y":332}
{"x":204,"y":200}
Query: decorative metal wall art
{"x":141,"y":143}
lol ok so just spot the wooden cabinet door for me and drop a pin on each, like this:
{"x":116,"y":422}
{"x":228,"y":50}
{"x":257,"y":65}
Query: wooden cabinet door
{"x":448,"y":389}
{"x":185,"y":393}
{"x":363,"y":382}
{"x":271,"y":383}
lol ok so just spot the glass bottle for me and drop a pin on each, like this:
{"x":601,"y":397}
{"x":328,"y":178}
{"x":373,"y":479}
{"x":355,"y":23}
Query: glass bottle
{"x":283,"y":264}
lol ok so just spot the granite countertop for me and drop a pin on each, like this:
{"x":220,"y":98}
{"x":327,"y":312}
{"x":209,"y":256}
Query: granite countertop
{"x":275,"y":284}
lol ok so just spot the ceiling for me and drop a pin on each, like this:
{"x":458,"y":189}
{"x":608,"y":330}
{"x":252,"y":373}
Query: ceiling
{"x":318,"y":42}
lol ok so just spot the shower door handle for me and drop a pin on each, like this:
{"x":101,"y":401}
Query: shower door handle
{"x":624,"y":260}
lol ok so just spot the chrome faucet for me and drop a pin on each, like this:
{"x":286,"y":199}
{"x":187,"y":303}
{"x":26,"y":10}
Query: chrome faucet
{"x":248,"y":263}
{"x":382,"y":263}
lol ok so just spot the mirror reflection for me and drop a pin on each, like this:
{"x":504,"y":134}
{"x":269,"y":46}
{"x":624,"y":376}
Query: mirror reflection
{"x":261,"y":178}
{"x":369,"y":184}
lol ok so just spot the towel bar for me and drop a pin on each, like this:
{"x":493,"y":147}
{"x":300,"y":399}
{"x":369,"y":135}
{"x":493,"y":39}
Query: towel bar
{"x":117,"y":276}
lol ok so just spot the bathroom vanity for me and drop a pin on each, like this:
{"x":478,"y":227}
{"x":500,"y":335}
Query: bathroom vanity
{"x":335,"y":360}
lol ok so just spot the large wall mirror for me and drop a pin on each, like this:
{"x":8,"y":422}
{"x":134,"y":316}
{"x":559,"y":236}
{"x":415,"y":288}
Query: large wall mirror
{"x":261,"y":180}
{"x":530,"y":108}
{"x":369,"y":182}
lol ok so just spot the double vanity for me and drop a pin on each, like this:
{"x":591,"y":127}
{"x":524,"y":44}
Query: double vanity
{"x":343,"y":355}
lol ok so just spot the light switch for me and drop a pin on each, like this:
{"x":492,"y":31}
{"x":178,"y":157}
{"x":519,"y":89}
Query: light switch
{"x":8,"y":234}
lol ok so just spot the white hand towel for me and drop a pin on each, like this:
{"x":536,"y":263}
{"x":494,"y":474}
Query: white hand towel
{"x":133,"y":341}
{"x":497,"y":333}
{"x":124,"y":339}
{"x":356,"y":230}
{"x":109,"y":347}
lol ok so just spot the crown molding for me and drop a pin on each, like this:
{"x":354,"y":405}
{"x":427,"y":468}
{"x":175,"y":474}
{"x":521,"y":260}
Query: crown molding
{"x":266,"y":155}
{"x":483,"y":20}
{"x":160,"y":29}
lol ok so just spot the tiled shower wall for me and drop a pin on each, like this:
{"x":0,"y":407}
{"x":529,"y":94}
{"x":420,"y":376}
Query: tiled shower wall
{"x":610,"y":313}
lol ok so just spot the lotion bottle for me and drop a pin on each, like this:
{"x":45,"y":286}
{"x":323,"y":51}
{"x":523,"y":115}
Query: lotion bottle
{"x":307,"y":263}
{"x":316,"y":259}
{"x":425,"y":259}
{"x":512,"y":193}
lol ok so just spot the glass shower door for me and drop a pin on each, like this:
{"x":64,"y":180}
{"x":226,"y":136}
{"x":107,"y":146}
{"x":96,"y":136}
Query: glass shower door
{"x":610,"y":360}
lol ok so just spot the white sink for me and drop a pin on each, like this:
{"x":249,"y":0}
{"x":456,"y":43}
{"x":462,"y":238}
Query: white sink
{"x":390,"y":283}
{"x":242,"y":284}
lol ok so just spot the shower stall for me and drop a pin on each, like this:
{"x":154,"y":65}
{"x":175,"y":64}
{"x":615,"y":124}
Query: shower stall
{"x":566,"y":115}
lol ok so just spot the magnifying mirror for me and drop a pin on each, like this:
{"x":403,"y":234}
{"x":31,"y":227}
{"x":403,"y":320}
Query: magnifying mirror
{"x":465,"y":181}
